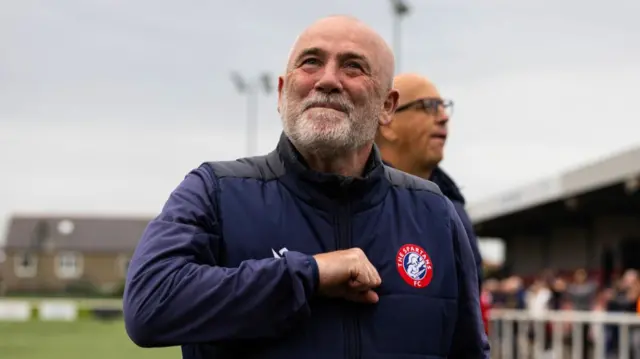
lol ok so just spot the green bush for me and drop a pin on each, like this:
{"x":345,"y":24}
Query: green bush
{"x":119,"y":291}
{"x":82,"y":288}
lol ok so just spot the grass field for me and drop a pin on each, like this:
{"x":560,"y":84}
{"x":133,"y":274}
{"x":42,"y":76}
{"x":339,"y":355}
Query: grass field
{"x":84,"y":339}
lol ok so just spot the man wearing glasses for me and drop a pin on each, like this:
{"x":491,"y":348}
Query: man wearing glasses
{"x":414,"y":142}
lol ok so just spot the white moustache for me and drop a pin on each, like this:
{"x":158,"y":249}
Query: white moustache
{"x":327,"y":102}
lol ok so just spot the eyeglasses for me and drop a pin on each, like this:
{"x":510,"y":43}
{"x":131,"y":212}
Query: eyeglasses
{"x":430,"y":105}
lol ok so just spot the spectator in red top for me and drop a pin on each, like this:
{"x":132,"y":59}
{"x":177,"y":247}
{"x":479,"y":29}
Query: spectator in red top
{"x":485,"y":307}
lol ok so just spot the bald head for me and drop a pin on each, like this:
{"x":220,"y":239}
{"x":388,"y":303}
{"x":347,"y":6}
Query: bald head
{"x":414,"y":141}
{"x":412,"y":86}
{"x":359,"y":32}
{"x":337,"y":87}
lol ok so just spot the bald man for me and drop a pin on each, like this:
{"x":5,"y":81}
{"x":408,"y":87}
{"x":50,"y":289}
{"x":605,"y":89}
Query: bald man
{"x":414,"y":143}
{"x":316,"y":250}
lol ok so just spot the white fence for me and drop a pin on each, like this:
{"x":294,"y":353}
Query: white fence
{"x":516,"y":334}
{"x":56,"y":310}
{"x":50,"y":309}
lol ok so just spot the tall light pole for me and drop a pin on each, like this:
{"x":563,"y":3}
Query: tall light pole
{"x":400,"y":9}
{"x":252,"y":89}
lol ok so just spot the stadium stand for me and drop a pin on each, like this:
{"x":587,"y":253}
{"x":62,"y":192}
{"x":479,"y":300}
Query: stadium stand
{"x":590,"y":213}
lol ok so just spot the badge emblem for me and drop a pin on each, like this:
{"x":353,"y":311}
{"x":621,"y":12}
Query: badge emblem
{"x":414,"y":265}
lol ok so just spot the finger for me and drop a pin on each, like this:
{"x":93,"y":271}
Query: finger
{"x":371,"y":297}
{"x":373,"y":277}
{"x":358,"y":284}
{"x":367,"y":296}
{"x":362,"y":278}
{"x":377,"y":280}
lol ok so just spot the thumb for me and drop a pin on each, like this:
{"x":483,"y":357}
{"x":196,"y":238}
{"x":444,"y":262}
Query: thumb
{"x":366,"y":296}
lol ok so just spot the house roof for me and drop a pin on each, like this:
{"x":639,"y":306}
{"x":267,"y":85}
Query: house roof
{"x":85,"y":234}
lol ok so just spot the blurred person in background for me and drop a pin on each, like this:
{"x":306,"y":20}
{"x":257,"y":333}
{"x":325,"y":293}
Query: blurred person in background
{"x":537,"y":298}
{"x":581,"y":294}
{"x":624,"y":298}
{"x":558,"y":288}
{"x":633,"y":295}
{"x":492,"y":287}
{"x":489,"y":288}
{"x":414,"y":143}
{"x":537,"y":301}
{"x":510,"y":294}
{"x":515,"y":298}
{"x":260,"y":257}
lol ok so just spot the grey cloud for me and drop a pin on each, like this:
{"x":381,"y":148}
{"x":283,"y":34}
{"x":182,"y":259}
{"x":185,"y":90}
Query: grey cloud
{"x":116,"y":100}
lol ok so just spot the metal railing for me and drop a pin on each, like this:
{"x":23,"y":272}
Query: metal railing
{"x":518,"y":334}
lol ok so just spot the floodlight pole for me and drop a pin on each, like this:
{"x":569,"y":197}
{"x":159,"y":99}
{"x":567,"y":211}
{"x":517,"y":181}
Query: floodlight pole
{"x":251,"y":89}
{"x":400,"y":10}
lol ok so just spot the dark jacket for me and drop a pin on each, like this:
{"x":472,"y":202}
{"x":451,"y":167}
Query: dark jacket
{"x":451,"y":190}
{"x":226,"y":269}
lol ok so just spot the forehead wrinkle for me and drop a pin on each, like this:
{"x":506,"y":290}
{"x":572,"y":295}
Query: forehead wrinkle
{"x":377,"y":52}
{"x":341,"y":55}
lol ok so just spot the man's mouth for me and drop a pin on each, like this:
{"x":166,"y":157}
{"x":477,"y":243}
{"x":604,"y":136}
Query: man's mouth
{"x":441,"y":135}
{"x":331,"y":106}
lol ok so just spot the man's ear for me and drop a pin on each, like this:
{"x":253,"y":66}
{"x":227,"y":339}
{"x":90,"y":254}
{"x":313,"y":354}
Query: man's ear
{"x":386,"y":134}
{"x":386,"y":129}
{"x":280,"y":87}
{"x":390,"y":105}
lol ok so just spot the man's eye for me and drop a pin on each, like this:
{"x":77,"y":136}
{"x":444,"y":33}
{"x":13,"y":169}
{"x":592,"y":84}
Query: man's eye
{"x":431,"y":106}
{"x":438,"y":103}
{"x":310,"y":61}
{"x":353,"y":65}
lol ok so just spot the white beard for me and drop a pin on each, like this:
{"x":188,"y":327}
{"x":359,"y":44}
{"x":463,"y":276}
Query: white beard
{"x":328,"y":132}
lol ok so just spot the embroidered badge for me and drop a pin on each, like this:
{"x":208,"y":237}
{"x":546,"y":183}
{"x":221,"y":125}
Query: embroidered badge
{"x":414,"y":265}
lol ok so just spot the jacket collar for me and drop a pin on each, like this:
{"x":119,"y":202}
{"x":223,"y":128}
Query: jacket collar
{"x":448,"y":187}
{"x":329,"y":190}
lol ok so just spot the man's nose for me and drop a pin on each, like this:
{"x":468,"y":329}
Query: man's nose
{"x":442,"y":118}
{"x":329,"y":82}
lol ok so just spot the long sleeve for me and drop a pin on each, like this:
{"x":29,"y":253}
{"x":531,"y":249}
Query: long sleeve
{"x":177,"y":293}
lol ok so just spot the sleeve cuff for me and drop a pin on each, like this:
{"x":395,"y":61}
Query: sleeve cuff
{"x":315,"y":273}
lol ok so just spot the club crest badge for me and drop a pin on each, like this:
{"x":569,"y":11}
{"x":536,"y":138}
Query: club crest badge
{"x":414,"y":265}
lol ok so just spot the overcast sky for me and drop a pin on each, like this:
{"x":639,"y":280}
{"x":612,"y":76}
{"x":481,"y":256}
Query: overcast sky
{"x":106,"y":105}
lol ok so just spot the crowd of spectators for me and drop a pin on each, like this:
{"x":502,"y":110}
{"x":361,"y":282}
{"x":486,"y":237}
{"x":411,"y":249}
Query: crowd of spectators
{"x":577,"y":291}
